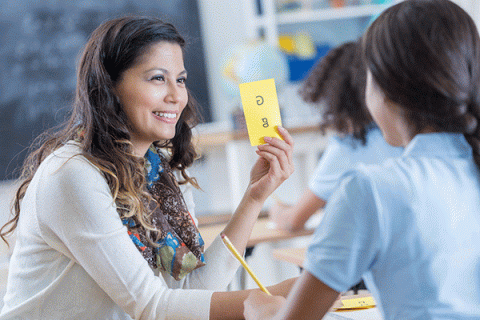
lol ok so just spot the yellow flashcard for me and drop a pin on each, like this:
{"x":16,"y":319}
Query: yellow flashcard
{"x":358,"y":303}
{"x":262,"y":113}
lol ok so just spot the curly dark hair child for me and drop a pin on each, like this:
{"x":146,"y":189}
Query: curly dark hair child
{"x":336,"y":84}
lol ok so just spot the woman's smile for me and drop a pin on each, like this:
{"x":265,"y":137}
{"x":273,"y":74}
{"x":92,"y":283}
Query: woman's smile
{"x":168,"y":117}
{"x":153,"y":94}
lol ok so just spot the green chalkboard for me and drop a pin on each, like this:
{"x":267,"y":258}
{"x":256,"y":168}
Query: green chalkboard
{"x":40,"y":43}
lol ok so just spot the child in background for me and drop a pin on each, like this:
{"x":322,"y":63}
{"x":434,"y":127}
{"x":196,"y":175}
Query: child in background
{"x":411,"y":226}
{"x":337,"y":85}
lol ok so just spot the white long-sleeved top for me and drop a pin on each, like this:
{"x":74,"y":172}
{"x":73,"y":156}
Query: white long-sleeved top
{"x":73,"y":258}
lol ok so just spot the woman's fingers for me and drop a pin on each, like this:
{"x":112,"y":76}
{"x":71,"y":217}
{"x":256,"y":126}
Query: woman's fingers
{"x":259,"y":305}
{"x":283,"y":145}
{"x":286,"y":136}
{"x":278,"y":155}
{"x":281,"y":149}
{"x":274,"y":166}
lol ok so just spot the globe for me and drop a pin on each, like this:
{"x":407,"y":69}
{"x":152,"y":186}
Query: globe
{"x":253,"y":61}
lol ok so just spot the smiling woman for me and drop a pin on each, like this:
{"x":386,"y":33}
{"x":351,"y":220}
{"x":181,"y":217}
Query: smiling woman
{"x":40,"y":42}
{"x":101,"y":209}
{"x":153,"y":94}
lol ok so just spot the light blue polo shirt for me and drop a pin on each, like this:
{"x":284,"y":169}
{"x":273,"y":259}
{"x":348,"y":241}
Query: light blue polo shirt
{"x":411,"y":228}
{"x":343,"y":154}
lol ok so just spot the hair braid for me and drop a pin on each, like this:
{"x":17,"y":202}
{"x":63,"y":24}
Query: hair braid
{"x":439,"y":89}
{"x":472,"y":131}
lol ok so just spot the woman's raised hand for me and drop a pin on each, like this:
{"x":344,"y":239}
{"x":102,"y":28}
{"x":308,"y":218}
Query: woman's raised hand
{"x":274,"y":165}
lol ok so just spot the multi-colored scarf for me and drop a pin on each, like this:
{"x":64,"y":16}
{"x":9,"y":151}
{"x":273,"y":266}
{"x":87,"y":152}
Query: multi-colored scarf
{"x":179,"y":249}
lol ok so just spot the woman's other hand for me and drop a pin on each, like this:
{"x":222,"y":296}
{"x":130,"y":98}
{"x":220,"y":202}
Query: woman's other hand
{"x":261,"y":306}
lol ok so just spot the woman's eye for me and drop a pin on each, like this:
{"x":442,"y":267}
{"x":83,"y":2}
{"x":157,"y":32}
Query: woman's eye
{"x":158,"y":78}
{"x":182,"y":80}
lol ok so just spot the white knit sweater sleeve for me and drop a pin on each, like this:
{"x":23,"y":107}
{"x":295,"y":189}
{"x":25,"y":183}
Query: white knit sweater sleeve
{"x":77,"y":216}
{"x":220,"y":261}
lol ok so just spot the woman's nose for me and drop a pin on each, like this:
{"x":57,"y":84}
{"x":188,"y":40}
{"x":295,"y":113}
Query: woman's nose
{"x":172,"y":93}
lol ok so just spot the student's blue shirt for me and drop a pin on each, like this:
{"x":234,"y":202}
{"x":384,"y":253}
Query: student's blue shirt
{"x":411,"y":228}
{"x":343,"y":154}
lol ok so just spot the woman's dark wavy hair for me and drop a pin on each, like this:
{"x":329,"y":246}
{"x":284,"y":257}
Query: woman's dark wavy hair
{"x":336,"y":85}
{"x":425,"y":56}
{"x":114,"y":47}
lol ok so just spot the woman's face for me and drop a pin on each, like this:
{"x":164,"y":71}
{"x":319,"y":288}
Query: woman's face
{"x":153,"y":94}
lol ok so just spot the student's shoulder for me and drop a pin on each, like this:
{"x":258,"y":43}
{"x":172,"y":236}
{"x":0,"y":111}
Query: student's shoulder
{"x":367,"y":184}
{"x":373,"y":139}
{"x":386,"y":170}
{"x":387,"y":167}
{"x":343,"y":145}
{"x":385,"y":176}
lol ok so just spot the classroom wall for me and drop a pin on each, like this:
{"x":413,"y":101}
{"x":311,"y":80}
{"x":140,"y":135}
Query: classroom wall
{"x":222,"y":24}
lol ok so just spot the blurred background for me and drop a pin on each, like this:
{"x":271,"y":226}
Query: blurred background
{"x":230,"y":42}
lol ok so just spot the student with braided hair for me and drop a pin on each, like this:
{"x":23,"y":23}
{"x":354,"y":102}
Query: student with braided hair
{"x":337,"y":87}
{"x":411,"y":226}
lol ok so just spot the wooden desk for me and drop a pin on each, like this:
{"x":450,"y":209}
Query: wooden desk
{"x":260,"y":233}
{"x":297,"y":257}
{"x":206,"y":140}
{"x":211,"y":219}
{"x":292,"y":255}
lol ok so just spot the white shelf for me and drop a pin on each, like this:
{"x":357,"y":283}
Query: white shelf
{"x":270,"y":21}
{"x":348,"y":12}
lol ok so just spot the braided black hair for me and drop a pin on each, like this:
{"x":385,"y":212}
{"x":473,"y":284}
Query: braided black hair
{"x":429,"y":64}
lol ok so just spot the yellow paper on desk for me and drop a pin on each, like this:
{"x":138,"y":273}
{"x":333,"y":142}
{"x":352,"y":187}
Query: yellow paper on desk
{"x":358,"y":303}
{"x":262,"y":113}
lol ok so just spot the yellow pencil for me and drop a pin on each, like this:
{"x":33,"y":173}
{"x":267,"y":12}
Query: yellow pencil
{"x":243,"y":262}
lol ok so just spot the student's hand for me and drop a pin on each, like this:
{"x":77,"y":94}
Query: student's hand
{"x":274,"y":166}
{"x":293,"y":217}
{"x":282,"y":288}
{"x":261,"y":306}
{"x":279,"y":215}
